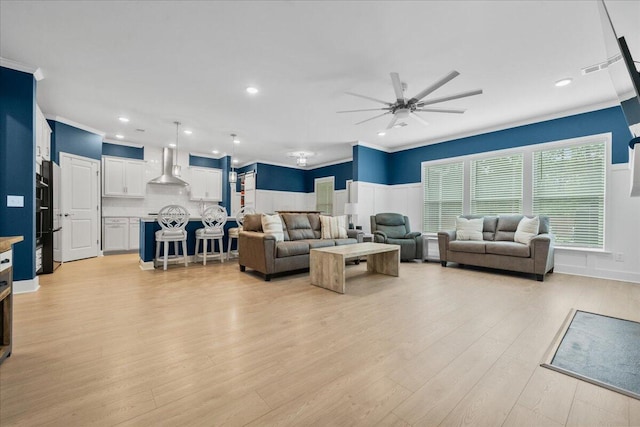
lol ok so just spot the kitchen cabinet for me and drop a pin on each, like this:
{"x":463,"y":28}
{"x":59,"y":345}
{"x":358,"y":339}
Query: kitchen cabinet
{"x":206,"y":184}
{"x":115,"y":236}
{"x":134,"y":233}
{"x":122,"y":177}
{"x":43,"y":137}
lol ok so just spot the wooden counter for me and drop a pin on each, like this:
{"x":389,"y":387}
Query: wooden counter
{"x":6,"y":242}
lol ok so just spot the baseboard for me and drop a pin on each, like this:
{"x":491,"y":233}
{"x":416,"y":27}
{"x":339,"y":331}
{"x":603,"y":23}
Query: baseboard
{"x":622,"y":276}
{"x":26,"y":286}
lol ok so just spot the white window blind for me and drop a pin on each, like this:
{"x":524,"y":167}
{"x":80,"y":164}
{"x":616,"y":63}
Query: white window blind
{"x":443,"y":193}
{"x":569,"y":186}
{"x":496,"y":185}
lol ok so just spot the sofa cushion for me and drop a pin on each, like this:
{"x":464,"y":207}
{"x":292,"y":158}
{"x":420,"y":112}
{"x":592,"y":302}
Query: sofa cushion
{"x":472,"y":246}
{"x":507,"y":226}
{"x":291,"y":248}
{"x":252,"y":222}
{"x":272,"y":224}
{"x":469,"y":229}
{"x":319,"y":243}
{"x":489,"y":228}
{"x":334,"y":227}
{"x":314,"y":220}
{"x":527,"y":230}
{"x":342,"y":242}
{"x":509,"y":249}
{"x":298,"y":226}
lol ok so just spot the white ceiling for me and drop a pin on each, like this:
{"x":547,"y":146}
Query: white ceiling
{"x":157,"y":62}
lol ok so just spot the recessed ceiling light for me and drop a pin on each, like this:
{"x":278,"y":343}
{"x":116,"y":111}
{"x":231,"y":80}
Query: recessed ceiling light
{"x":123,"y":119}
{"x":382,"y":133}
{"x":564,"y":82}
{"x":235,"y":161}
{"x":188,"y":132}
{"x":172,"y":145}
{"x":252,"y":90}
{"x":215,"y":151}
{"x":120,"y":136}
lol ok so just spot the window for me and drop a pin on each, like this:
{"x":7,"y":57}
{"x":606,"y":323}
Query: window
{"x":496,"y":185}
{"x":569,"y":186}
{"x":324,"y":195}
{"x":565,"y":180}
{"x":443,"y":191}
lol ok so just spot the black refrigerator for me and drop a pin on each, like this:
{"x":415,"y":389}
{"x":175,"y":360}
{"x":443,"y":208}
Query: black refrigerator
{"x":47,"y":217}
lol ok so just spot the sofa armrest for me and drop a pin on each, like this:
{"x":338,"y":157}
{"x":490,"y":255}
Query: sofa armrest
{"x":356,"y":234}
{"x":542,"y":252}
{"x":257,"y":250}
{"x":413,"y":235}
{"x":379,"y":236}
{"x":444,"y":237}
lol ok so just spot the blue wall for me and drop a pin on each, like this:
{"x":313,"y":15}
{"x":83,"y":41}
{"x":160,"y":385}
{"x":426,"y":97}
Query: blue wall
{"x":405,"y":165}
{"x":125,"y":151}
{"x":371,"y":165}
{"x":205,"y":162}
{"x":341,"y":171}
{"x":69,"y":139}
{"x":17,"y":166}
{"x":280,"y":178}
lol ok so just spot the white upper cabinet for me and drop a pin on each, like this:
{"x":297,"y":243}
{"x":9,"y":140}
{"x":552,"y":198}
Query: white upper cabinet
{"x":122,"y":177}
{"x":206,"y":184}
{"x":43,"y":137}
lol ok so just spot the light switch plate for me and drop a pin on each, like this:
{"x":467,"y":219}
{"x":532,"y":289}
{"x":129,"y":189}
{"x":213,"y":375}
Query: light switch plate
{"x":15,"y":201}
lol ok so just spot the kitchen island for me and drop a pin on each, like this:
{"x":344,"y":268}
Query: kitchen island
{"x":148,"y":227}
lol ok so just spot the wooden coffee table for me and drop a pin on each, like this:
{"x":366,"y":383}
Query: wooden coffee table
{"x":327,"y":265}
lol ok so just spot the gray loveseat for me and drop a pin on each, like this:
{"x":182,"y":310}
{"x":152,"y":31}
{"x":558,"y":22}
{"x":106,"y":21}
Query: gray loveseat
{"x":302,"y":232}
{"x":498,"y":249}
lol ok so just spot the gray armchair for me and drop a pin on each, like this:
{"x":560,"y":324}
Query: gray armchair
{"x":394,"y":229}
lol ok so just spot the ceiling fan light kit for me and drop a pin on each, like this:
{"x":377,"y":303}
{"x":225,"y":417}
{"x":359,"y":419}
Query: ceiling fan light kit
{"x":403,"y":108}
{"x":301,"y":157}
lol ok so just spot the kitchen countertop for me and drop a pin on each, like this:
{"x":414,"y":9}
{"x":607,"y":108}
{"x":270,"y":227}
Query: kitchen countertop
{"x":6,"y":242}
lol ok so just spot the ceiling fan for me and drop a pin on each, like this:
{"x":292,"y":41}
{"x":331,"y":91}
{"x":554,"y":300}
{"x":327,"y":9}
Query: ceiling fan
{"x":403,"y":107}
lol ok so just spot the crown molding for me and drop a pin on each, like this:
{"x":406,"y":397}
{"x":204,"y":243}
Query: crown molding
{"x":118,"y":142}
{"x":74,"y":124}
{"x":370,"y":145}
{"x":25,"y":68}
{"x":208,"y":156}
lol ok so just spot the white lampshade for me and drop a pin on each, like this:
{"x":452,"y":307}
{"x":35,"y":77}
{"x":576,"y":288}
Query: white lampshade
{"x":233,"y":177}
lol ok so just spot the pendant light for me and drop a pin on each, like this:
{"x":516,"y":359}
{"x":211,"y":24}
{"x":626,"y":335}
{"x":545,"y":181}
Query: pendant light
{"x":176,"y":167}
{"x":233,"y":175}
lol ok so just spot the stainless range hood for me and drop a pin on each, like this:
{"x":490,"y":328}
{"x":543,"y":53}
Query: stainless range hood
{"x":167,"y":177}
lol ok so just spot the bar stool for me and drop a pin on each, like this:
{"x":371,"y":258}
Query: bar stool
{"x":234,"y":233}
{"x":213,"y":218}
{"x":173,"y":221}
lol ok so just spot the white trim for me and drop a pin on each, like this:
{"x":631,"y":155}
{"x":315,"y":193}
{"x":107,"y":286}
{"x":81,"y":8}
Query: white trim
{"x":208,"y":156}
{"x":26,"y":286}
{"x":307,"y":168}
{"x":145,"y":265}
{"x":623,"y":276}
{"x":25,"y":68}
{"x":377,"y":147}
{"x":125,"y":144}
{"x":75,"y":124}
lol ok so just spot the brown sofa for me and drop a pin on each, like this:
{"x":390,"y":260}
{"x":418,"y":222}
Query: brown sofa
{"x":302,"y":232}
{"x":498,"y":249}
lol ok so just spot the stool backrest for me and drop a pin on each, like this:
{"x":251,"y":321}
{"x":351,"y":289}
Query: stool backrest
{"x":240,"y":214}
{"x":214,"y":217}
{"x":173,"y":217}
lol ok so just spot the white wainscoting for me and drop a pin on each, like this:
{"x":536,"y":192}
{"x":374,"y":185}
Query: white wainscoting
{"x":268,"y":201}
{"x":622,"y":225}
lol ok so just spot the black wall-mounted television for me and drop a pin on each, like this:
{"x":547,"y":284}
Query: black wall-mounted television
{"x":626,"y":81}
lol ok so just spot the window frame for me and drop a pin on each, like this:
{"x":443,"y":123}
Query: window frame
{"x":527,"y":178}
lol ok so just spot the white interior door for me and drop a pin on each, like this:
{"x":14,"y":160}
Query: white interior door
{"x":80,"y":207}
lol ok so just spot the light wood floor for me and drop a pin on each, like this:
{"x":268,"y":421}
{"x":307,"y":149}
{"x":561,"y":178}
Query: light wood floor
{"x":105,"y":343}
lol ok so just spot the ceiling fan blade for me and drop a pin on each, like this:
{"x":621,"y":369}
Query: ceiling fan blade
{"x":452,"y":75}
{"x":397,"y":87}
{"x":420,"y":119}
{"x":441,"y":110}
{"x":368,"y":97}
{"x":449,"y":98}
{"x":392,"y":122}
{"x":380,"y":115}
{"x":370,"y":109}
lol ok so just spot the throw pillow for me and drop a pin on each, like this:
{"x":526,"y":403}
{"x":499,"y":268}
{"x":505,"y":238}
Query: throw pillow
{"x":271,"y":224}
{"x":333,"y":227}
{"x":469,"y":229}
{"x":527,"y":229}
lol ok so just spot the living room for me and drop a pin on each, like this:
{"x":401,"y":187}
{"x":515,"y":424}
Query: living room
{"x":379,"y":173}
